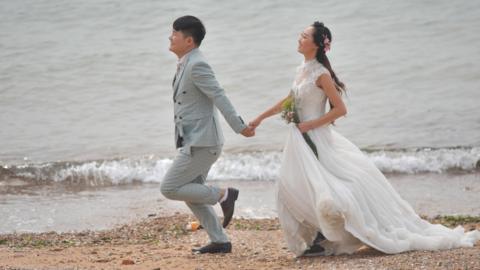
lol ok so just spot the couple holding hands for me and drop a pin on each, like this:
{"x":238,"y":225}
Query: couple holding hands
{"x":331,"y":200}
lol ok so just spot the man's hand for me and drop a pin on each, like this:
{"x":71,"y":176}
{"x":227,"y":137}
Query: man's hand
{"x":248,"y":131}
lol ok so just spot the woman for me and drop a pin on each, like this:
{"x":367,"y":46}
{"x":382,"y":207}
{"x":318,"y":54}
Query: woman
{"x":336,"y":201}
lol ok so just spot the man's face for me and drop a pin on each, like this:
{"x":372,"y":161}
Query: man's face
{"x":180,"y":43}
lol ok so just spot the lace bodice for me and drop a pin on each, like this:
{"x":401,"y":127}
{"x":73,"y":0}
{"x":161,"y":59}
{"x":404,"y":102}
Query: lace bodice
{"x":309,"y":98}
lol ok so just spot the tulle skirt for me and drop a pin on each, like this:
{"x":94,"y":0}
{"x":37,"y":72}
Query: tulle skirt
{"x":343,"y":195}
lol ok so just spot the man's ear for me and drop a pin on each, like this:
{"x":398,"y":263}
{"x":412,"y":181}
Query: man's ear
{"x":190,"y":41}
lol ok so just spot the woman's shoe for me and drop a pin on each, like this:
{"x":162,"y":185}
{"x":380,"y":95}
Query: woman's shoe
{"x":314,"y":250}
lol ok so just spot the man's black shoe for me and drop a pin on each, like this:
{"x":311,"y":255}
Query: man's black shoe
{"x":229,"y":205}
{"x":214,"y":248}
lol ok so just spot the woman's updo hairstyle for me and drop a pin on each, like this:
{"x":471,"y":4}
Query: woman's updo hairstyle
{"x":323,"y":38}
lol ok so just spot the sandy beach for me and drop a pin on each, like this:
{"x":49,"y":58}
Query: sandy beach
{"x":165,"y":243}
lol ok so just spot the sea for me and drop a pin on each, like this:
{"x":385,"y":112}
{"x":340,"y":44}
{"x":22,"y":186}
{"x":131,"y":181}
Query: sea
{"x":86,"y":110}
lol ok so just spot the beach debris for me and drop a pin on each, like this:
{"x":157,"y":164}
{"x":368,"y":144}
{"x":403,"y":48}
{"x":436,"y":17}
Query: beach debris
{"x":128,"y":262}
{"x":193,"y":226}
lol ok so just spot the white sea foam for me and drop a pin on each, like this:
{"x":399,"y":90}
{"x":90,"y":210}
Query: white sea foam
{"x":427,"y":160}
{"x":260,"y":166}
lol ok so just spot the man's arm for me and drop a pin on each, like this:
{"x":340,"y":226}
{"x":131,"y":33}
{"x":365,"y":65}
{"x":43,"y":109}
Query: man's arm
{"x":204,"y":78}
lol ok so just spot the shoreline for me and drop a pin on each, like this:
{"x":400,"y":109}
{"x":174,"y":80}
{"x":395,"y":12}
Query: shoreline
{"x":164,"y":243}
{"x":70,"y":208}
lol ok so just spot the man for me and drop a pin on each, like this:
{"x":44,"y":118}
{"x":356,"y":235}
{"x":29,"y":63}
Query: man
{"x":198,"y":135}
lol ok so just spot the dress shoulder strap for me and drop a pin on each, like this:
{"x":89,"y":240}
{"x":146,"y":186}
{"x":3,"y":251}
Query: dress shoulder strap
{"x":317,"y":70}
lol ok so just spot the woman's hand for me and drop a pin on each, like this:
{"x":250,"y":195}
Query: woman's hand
{"x":255,"y":123}
{"x":304,"y":127}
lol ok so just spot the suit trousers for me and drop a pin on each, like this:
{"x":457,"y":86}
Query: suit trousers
{"x":185,"y":181}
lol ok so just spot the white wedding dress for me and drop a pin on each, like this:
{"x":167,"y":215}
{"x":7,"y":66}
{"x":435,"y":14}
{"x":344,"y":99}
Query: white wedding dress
{"x":342,"y":193}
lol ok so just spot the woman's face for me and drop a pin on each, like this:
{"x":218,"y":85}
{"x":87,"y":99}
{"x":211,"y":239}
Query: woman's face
{"x":306,"y":45}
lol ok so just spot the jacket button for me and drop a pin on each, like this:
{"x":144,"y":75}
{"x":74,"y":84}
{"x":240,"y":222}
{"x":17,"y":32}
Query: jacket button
{"x":180,"y":117}
{"x":179,"y":103}
{"x":184,"y":92}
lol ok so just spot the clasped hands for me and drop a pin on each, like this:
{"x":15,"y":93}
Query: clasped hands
{"x":250,"y":130}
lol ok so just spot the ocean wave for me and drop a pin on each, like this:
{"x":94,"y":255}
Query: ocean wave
{"x":260,"y":166}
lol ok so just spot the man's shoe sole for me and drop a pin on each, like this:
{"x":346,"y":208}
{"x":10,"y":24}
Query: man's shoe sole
{"x":235,"y":197}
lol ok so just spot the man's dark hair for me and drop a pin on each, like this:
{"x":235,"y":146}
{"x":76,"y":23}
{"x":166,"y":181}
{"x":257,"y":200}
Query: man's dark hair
{"x":190,"y":26}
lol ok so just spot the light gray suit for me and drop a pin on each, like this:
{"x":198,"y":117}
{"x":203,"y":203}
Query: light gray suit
{"x":199,"y":139}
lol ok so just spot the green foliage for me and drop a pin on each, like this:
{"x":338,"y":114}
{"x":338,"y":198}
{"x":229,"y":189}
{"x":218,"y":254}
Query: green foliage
{"x":456,"y":220}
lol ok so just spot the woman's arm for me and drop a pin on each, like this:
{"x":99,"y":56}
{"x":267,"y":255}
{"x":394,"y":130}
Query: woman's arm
{"x":326,"y":83}
{"x":277,"y":108}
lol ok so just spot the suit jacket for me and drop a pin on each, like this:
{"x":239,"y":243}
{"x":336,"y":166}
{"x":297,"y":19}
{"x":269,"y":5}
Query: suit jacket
{"x":196,"y":93}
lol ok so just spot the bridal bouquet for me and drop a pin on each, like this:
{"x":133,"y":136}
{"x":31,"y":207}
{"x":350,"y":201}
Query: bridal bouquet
{"x":290,"y":114}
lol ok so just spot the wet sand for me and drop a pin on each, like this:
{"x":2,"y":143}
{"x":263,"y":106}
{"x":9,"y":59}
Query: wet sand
{"x":63,"y":209}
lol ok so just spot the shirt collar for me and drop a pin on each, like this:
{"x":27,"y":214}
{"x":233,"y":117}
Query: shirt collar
{"x":184,"y":58}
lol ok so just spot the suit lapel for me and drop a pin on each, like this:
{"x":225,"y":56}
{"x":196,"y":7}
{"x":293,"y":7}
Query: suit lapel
{"x":177,"y":80}
{"x":180,"y":73}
